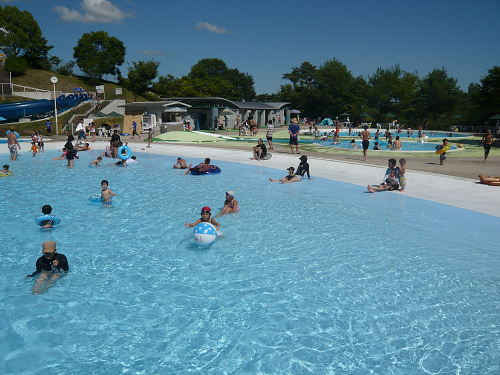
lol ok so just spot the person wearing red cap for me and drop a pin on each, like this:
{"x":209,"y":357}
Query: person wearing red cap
{"x":50,"y":263}
{"x":206,"y":217}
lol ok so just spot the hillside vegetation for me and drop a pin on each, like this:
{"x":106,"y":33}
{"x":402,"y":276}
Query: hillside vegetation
{"x":40,"y":79}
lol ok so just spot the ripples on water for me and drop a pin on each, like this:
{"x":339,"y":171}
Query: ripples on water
{"x":315,"y":277}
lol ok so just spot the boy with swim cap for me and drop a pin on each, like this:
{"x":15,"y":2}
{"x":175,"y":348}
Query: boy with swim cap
{"x":206,"y":214}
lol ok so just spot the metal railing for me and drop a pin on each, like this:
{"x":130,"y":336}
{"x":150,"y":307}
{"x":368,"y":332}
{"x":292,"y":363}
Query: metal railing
{"x":4,"y":90}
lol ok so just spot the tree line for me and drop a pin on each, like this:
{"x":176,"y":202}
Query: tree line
{"x":317,"y":91}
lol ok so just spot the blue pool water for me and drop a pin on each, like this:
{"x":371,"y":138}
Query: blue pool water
{"x":405,"y":146}
{"x":403,"y":134}
{"x":316,"y":277}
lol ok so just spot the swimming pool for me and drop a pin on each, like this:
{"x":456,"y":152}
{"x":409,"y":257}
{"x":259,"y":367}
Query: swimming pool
{"x":403,"y":134}
{"x":405,"y":146}
{"x":339,"y":281}
{"x":344,"y":144}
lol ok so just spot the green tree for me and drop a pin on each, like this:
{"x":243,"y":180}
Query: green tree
{"x":55,"y":61}
{"x":394,"y":90}
{"x":233,"y":84}
{"x":439,"y":95}
{"x":168,"y":86}
{"x":325,"y":91}
{"x":22,"y":36}
{"x":305,"y":88}
{"x":16,"y":65}
{"x":97,"y":53}
{"x":141,"y":75}
{"x":67,"y":69}
{"x":489,"y":93}
{"x":340,"y":90}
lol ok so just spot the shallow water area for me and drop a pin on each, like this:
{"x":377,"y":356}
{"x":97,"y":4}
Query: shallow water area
{"x":426,"y":134}
{"x":314,"y":277}
{"x":405,"y":146}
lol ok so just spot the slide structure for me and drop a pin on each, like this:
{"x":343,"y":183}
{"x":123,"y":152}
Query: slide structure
{"x":34,"y":109}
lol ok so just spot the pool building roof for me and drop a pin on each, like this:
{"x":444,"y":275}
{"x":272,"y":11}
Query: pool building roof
{"x":217,"y":102}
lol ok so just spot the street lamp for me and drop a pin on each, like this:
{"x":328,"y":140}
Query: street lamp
{"x":53,"y":79}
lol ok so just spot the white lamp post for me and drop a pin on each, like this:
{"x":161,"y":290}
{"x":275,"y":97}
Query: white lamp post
{"x":53,"y":79}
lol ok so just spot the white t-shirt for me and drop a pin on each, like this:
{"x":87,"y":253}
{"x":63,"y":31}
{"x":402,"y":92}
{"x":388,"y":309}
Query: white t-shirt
{"x":270,"y":130}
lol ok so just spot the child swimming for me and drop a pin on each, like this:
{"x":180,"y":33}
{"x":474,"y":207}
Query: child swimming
{"x":106,"y":194}
{"x":206,"y":214}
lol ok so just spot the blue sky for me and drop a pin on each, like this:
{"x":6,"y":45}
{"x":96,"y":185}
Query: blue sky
{"x":268,"y":38}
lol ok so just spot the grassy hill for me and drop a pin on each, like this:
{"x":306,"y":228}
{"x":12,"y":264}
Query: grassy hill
{"x":40,"y":79}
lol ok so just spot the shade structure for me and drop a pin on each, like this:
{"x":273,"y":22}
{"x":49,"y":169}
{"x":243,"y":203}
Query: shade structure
{"x":2,"y":118}
{"x":114,"y":114}
{"x":345,"y":114}
{"x":389,"y":115}
{"x":226,"y":113}
{"x":496,"y":117}
{"x":457,"y":116}
{"x":364,"y":114}
{"x":327,"y":122}
{"x":294,"y":111}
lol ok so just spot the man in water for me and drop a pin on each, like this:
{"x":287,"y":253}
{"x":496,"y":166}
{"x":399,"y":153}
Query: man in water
{"x":13,"y":144}
{"x":50,"y":266}
{"x":181,"y":164}
{"x":365,"y":135}
{"x":397,"y":143}
{"x":202,"y":167}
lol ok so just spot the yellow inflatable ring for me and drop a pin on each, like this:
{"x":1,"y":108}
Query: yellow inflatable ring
{"x":443,"y":149}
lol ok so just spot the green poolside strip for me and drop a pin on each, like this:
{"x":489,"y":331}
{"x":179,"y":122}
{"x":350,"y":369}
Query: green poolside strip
{"x":473,"y":148}
{"x":184,"y":136}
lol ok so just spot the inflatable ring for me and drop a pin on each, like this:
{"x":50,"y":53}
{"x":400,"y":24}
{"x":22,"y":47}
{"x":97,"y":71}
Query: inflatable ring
{"x":195,"y":171}
{"x":47,"y":221}
{"x":495,"y":181}
{"x":95,"y":198}
{"x":16,"y":133}
{"x":126,"y":156}
{"x":2,"y":57}
{"x":6,"y":174}
{"x":442,"y":150}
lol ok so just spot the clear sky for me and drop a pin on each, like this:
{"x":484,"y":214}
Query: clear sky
{"x":268,"y":38}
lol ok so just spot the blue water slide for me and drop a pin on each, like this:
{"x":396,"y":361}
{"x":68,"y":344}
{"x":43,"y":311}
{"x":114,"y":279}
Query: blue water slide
{"x":12,"y":112}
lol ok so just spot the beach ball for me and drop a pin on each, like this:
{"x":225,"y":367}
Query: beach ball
{"x":205,"y":234}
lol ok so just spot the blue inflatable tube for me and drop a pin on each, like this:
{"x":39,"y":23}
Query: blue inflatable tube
{"x":126,"y":156}
{"x":16,"y":133}
{"x":47,"y":221}
{"x":196,"y":172}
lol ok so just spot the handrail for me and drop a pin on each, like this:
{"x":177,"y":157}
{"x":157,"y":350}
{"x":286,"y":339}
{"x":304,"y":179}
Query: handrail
{"x":32,"y":88}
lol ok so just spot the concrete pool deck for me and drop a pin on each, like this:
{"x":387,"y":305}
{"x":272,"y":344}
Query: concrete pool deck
{"x":457,"y":191}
